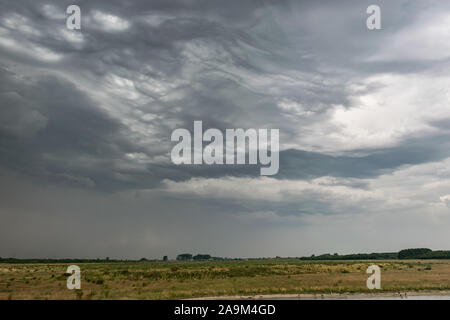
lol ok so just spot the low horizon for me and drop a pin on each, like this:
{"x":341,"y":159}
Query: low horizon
{"x":173,"y":258}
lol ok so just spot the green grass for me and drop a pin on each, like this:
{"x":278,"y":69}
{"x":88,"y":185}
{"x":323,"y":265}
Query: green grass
{"x":175,"y":280}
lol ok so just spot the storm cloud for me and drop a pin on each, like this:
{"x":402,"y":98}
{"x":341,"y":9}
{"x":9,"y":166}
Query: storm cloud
{"x":86,"y":118}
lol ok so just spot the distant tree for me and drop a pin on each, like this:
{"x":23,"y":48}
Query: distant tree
{"x":416,"y":253}
{"x":357,"y":256}
{"x":184,"y":257}
{"x":165,"y":258}
{"x":143,"y":259}
{"x":202,"y":257}
{"x":440,"y":254}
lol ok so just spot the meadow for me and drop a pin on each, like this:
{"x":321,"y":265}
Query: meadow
{"x":196,"y":279}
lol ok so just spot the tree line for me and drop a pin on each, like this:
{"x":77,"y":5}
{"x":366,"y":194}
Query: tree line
{"x":414,"y":253}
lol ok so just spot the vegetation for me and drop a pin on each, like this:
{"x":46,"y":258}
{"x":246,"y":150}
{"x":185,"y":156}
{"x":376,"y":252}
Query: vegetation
{"x":357,"y":256}
{"x":202,"y":275}
{"x":417,"y":253}
{"x":73,"y":261}
{"x":423,"y":254}
{"x":414,"y":253}
{"x":184,"y":257}
{"x":202,"y":257}
{"x":185,"y":279}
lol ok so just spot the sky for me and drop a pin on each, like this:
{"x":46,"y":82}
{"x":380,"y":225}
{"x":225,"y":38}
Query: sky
{"x":86,"y":118}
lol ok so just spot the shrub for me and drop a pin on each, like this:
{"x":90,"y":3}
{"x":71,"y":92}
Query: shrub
{"x":79,"y":294}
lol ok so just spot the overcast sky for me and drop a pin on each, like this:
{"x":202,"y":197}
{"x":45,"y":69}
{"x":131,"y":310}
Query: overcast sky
{"x":86,"y":118}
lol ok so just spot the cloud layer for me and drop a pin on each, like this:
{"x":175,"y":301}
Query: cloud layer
{"x":86,"y":118}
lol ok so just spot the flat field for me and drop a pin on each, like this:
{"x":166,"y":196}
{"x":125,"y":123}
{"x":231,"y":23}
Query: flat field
{"x":178,"y":280}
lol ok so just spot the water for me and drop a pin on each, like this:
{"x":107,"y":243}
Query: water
{"x":407,"y":298}
{"x":423,"y":297}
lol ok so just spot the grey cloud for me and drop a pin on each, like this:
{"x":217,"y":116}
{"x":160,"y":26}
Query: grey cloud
{"x":64,"y":134}
{"x":259,"y":48}
{"x":297,"y":164}
{"x":95,"y":108}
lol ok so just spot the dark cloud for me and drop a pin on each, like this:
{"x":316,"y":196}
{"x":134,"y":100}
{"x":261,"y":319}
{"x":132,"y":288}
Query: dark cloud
{"x":92,"y":111}
{"x":297,"y":164}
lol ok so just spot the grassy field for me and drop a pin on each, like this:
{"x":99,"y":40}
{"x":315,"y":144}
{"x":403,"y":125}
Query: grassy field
{"x":174,"y":280}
